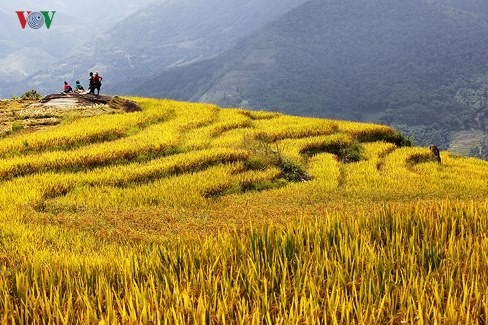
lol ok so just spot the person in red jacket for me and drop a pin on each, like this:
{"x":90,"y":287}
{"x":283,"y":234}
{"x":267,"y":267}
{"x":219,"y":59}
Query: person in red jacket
{"x":67,"y":88}
{"x":97,"y":82}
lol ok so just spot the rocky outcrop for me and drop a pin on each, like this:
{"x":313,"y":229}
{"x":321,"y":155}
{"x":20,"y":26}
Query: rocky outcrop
{"x":72,"y":100}
{"x":123,"y":104}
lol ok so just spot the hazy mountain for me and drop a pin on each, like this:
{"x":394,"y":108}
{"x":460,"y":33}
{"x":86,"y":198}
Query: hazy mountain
{"x":161,"y":35}
{"x":477,"y":8}
{"x":19,"y":63}
{"x":418,"y":65}
{"x":25,"y":51}
{"x":90,"y":13}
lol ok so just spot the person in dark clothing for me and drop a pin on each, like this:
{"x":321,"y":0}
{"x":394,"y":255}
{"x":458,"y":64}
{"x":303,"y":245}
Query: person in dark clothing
{"x":91,"y":85}
{"x":97,"y":82}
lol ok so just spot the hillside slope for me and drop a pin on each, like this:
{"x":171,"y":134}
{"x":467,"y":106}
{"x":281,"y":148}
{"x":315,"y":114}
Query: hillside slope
{"x":195,"y":213}
{"x":243,"y":151}
{"x":177,"y":155}
{"x":417,"y":65}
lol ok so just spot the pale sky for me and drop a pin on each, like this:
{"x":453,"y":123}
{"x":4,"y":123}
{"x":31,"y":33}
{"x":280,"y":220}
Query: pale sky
{"x":105,"y":12}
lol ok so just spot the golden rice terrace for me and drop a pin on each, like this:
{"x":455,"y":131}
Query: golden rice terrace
{"x":189,"y":213}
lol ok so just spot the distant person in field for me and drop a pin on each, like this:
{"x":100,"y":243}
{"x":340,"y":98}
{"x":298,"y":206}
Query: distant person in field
{"x":78,"y":87}
{"x":67,"y":88}
{"x":97,"y":82}
{"x":435,"y":152}
{"x":91,"y":86}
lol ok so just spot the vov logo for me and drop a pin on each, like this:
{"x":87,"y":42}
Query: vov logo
{"x":35,"y":19}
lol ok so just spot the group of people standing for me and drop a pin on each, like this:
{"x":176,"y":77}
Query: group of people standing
{"x":95,"y":83}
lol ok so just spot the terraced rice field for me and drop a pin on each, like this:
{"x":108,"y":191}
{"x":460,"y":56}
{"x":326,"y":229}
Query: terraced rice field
{"x":189,"y":213}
